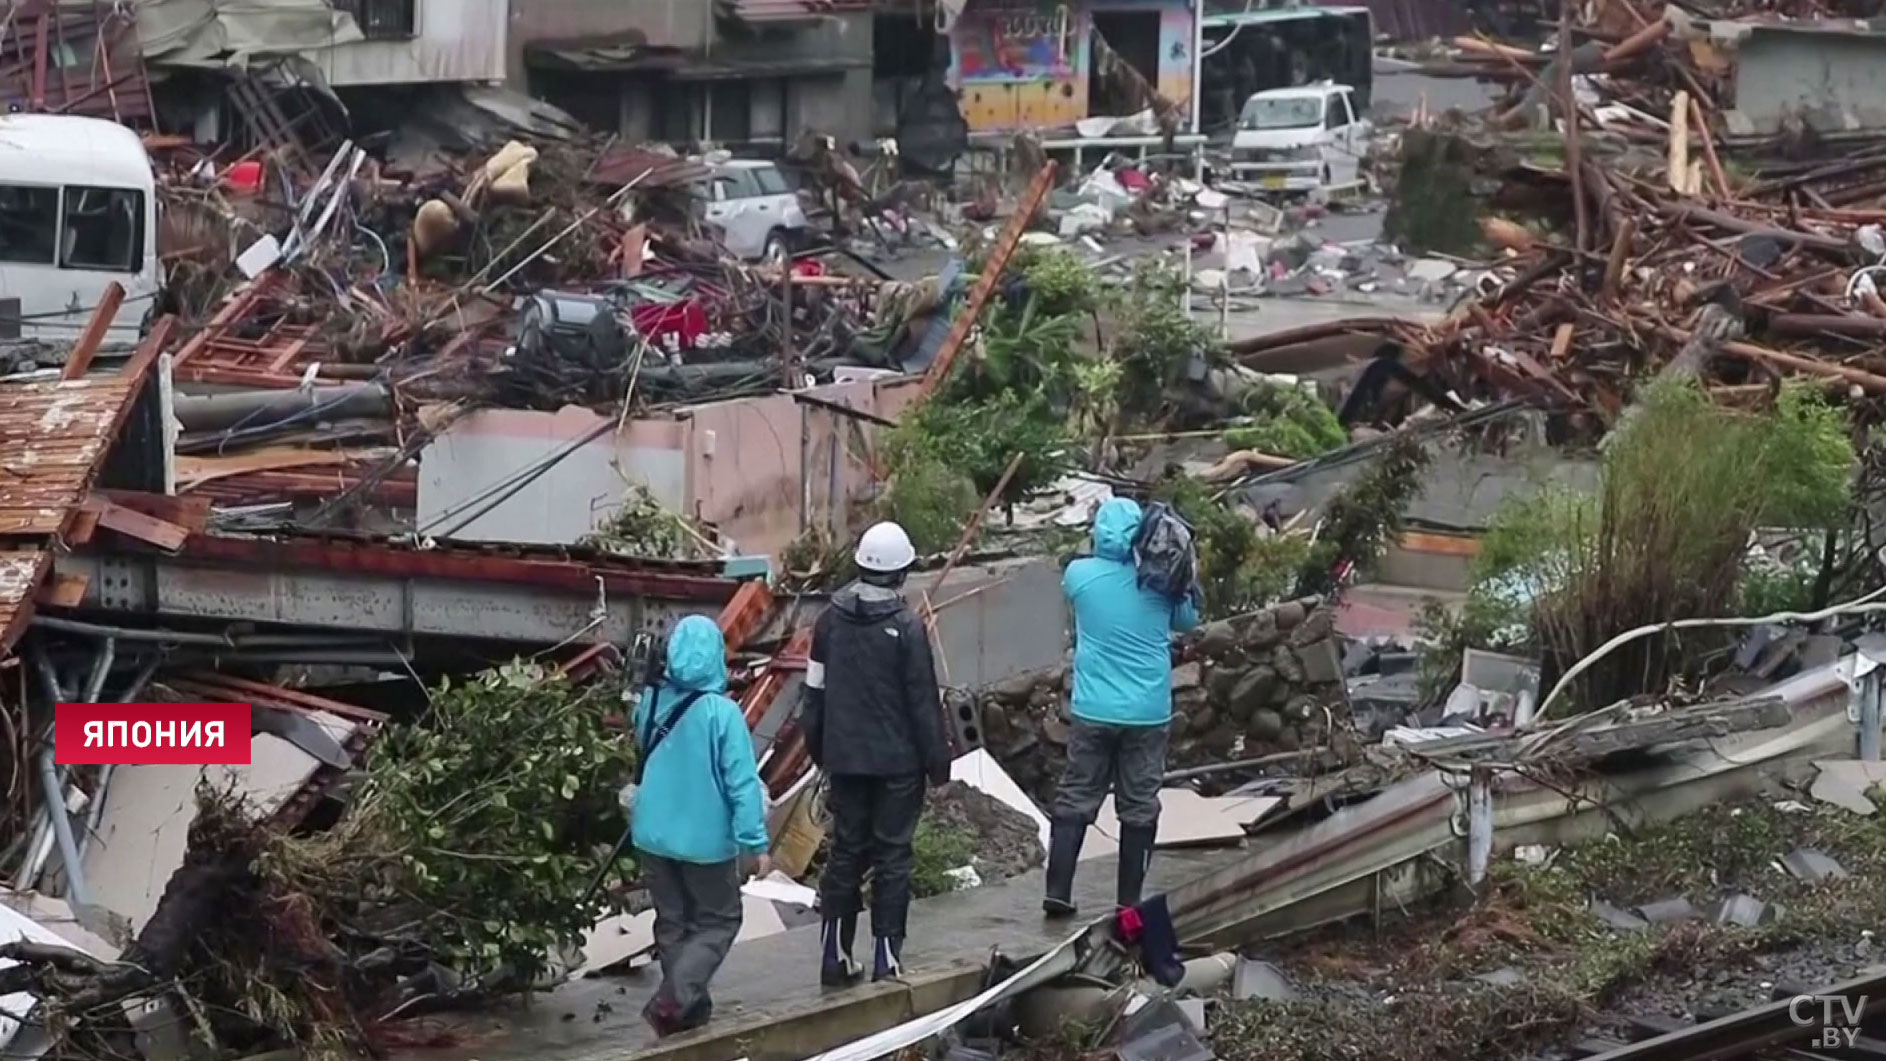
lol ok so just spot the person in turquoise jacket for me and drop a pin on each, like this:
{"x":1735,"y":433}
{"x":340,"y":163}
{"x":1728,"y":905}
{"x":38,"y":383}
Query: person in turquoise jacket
{"x":699,"y":820}
{"x":1122,"y":705}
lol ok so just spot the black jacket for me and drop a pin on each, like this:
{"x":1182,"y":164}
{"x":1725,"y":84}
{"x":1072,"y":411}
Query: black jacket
{"x":878,"y":712}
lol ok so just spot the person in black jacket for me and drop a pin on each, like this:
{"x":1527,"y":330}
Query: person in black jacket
{"x":873,"y":722}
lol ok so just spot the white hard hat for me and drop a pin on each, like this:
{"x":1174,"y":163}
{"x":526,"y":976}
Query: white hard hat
{"x":886,"y":549}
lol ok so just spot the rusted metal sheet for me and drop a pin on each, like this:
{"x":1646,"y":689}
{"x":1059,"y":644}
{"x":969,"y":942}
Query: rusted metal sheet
{"x":54,"y":436}
{"x":563,"y":569}
{"x":399,"y":490}
{"x":21,"y":571}
{"x":76,"y":58}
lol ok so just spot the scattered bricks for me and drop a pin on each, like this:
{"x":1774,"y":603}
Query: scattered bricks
{"x":1668,"y":911}
{"x":1813,"y":866}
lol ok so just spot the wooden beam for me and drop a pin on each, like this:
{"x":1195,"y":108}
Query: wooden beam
{"x":93,"y":337}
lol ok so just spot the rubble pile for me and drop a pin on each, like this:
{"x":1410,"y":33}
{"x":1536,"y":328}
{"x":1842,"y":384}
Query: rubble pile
{"x":1652,"y":234}
{"x":1259,"y":684}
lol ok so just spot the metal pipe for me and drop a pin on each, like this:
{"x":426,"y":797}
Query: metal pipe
{"x":123,"y":633}
{"x":76,"y":892}
{"x":1479,"y":824}
{"x":1868,"y":690}
{"x":96,"y":812}
{"x":101,"y":668}
{"x":223,"y":412}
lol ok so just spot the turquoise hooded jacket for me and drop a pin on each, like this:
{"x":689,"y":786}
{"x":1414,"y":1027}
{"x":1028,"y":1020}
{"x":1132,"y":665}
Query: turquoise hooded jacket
{"x":700,"y":799}
{"x":1122,"y":633}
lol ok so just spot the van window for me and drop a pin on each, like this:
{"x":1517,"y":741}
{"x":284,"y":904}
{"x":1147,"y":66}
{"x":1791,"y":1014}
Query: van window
{"x":104,"y":229}
{"x":29,"y":224}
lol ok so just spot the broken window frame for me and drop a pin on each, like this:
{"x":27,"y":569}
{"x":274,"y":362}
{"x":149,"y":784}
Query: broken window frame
{"x":28,"y":216}
{"x":383,"y":20}
{"x":125,"y":204}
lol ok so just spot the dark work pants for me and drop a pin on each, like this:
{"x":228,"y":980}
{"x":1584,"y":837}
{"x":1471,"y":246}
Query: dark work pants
{"x":874,"y":820}
{"x":1129,"y":760}
{"x":697,"y":916}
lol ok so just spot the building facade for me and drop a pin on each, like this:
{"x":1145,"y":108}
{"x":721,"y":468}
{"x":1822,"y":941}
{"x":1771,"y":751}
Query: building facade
{"x":1024,"y":64}
{"x":755,"y":73}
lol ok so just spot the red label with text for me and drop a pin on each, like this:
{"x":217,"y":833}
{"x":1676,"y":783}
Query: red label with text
{"x":151,"y":735}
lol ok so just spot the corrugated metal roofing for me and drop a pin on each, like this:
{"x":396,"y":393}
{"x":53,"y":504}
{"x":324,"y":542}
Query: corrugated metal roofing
{"x":54,"y":436}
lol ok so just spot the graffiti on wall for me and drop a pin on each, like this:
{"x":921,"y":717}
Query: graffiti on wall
{"x":1023,"y":64}
{"x":1018,"y":44}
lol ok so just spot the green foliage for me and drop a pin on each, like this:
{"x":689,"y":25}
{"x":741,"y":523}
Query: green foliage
{"x":1684,"y":485}
{"x":979,"y":438}
{"x":642,"y":527}
{"x":1025,"y":351}
{"x":500,"y":805}
{"x":931,"y":500}
{"x":1238,"y":569}
{"x":1156,"y":339}
{"x":1288,"y":422}
{"x":1063,"y":283}
{"x":1361,"y":521}
{"x":935,"y":850}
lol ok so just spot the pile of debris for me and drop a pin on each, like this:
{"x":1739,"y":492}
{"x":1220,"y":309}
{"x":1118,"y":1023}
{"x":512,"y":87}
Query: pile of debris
{"x":1658,"y":231}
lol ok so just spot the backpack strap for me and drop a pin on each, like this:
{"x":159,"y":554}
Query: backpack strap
{"x":653,"y":738}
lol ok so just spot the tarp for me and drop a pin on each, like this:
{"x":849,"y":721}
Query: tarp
{"x":232,"y":32}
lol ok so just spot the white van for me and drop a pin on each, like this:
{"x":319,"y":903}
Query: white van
{"x":1301,"y":139}
{"x":78,"y":210}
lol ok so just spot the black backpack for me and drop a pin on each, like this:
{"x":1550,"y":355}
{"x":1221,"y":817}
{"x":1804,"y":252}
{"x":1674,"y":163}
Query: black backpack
{"x":1165,"y":553}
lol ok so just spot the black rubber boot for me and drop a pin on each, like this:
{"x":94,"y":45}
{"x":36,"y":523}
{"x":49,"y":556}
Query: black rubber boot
{"x":887,"y":958}
{"x":1064,"y":852}
{"x":1136,"y":855}
{"x":836,"y":968}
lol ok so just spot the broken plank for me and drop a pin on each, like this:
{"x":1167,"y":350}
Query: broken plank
{"x":190,"y":513}
{"x":134,"y":524}
{"x":64,"y":591}
{"x":79,"y":361}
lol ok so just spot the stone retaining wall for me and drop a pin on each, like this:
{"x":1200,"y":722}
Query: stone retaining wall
{"x":1266,"y":682}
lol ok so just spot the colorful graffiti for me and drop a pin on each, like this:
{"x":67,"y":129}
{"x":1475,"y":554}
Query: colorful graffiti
{"x":1017,"y":45}
{"x":1021,"y":65}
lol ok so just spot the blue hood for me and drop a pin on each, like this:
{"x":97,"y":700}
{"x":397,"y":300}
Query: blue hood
{"x":1115,"y":527}
{"x":697,"y":656}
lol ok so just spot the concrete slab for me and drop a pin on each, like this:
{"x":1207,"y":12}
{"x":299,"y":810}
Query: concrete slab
{"x":768,"y":1003}
{"x":1847,"y":782}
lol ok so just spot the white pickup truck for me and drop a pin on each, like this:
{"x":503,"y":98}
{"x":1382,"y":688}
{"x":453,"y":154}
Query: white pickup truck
{"x":1300,"y":139}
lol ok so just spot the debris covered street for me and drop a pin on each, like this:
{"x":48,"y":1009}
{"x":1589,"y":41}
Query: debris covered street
{"x":402,"y":374}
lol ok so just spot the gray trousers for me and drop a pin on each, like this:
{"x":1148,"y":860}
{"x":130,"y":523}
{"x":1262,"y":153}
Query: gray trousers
{"x":697,"y":916}
{"x":1128,"y":760}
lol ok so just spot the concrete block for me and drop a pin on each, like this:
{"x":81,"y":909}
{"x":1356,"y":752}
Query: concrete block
{"x":1259,"y":979}
{"x":1813,"y":866}
{"x":1322,"y":662}
{"x":1618,"y":918}
{"x":1744,"y":910}
{"x":1846,"y":782}
{"x":1668,"y":911}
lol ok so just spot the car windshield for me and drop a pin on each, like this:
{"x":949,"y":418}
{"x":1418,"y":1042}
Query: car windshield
{"x":1299,"y":112}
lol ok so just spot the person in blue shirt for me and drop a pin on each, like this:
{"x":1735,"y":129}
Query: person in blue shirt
{"x":1122,"y":705}
{"x":699,"y":820}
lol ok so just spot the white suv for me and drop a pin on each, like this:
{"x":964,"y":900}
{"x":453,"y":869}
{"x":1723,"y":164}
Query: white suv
{"x":754,"y":208}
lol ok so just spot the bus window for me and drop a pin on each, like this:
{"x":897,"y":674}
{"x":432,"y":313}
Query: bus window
{"x":104,"y":229}
{"x":29,"y":224}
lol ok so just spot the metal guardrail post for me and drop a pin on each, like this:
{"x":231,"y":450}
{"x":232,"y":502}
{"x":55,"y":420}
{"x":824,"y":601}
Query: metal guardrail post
{"x":1479,"y":824}
{"x":1868,"y":690}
